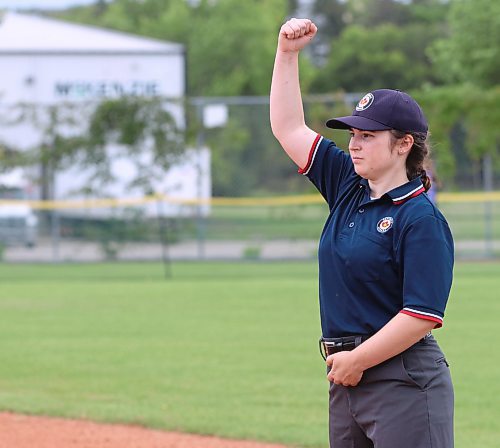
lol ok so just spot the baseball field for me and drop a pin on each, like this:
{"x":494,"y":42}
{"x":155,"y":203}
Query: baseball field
{"x":228,"y":349}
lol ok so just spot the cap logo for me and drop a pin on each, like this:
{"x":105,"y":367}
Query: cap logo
{"x":365,"y":102}
{"x":385,"y":224}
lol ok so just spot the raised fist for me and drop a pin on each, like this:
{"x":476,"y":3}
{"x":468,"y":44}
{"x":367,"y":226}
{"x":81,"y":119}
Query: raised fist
{"x":295,"y":34}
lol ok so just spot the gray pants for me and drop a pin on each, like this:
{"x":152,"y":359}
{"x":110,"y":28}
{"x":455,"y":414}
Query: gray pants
{"x":406,"y":401}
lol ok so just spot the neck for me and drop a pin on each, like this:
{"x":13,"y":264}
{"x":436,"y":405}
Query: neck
{"x":378,"y":187}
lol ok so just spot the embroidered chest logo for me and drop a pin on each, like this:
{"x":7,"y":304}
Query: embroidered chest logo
{"x":385,"y":224}
{"x":365,"y":102}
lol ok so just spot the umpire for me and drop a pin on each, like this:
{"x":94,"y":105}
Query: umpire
{"x":385,"y":262}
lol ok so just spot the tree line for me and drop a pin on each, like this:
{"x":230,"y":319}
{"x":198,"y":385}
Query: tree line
{"x":445,"y":52}
{"x":362,"y":44}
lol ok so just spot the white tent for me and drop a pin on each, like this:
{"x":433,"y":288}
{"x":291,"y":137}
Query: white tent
{"x":46,"y":61}
{"x":31,"y":33}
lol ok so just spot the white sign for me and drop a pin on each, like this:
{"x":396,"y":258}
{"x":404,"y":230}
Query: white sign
{"x":69,"y":90}
{"x":215,"y":115}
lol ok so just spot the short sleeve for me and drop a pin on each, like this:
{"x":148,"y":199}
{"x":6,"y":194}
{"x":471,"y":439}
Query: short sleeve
{"x":328,"y":168}
{"x":427,"y":255}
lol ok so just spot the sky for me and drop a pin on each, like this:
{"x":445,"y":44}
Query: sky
{"x":42,"y":4}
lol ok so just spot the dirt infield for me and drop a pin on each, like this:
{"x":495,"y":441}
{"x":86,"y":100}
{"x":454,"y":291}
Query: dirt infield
{"x":21,"y":431}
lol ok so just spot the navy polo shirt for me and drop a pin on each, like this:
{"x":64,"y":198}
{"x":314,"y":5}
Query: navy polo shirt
{"x":377,"y":258}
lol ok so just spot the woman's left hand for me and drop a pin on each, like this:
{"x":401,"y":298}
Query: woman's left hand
{"x":344,"y":369}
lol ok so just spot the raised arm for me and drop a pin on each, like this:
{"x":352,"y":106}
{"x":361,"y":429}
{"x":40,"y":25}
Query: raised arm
{"x":287,"y":113}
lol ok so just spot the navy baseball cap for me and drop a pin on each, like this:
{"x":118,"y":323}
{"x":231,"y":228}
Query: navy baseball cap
{"x":381,"y":110}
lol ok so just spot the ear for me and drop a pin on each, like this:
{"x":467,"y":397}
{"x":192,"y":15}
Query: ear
{"x":405,"y":144}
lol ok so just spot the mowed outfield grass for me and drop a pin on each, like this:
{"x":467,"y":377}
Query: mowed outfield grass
{"x":219,"y":348}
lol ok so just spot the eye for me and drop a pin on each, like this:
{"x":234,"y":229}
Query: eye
{"x":367,"y":135}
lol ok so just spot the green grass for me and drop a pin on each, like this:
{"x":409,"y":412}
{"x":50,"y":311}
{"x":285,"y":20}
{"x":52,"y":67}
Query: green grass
{"x":220,"y":348}
{"x":262,"y":222}
{"x":467,"y":221}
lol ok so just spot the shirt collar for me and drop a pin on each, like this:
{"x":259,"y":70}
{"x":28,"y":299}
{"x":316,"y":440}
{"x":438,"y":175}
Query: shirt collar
{"x":403,"y":193}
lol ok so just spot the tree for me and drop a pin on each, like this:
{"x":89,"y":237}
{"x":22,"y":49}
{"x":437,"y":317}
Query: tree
{"x":471,"y":52}
{"x":334,"y":16}
{"x":52,"y":125}
{"x":429,"y":12}
{"x":329,"y":16}
{"x":230,"y":44}
{"x":231,"y":50}
{"x":363,"y":59}
{"x":467,"y":109}
{"x":84,"y":14}
{"x":139,"y":129}
{"x":228,"y":146}
{"x":372,"y":13}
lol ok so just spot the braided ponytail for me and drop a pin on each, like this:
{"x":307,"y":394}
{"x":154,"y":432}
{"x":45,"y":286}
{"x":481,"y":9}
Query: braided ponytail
{"x":418,"y":157}
{"x":426,"y":180}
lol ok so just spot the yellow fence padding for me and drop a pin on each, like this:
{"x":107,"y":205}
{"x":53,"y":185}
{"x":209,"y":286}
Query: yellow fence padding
{"x":493,"y":196}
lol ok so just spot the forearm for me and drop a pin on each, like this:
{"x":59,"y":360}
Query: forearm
{"x":286,"y":109}
{"x":400,"y":333}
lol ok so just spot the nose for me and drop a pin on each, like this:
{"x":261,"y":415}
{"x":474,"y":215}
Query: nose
{"x":354,"y":144}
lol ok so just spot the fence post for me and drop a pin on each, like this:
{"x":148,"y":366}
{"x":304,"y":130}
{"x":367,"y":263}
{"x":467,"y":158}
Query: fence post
{"x":200,"y":142}
{"x":163,"y":231}
{"x":488,"y":205}
{"x":55,"y":231}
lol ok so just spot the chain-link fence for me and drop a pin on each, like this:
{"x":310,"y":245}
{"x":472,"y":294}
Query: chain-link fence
{"x":252,"y":229}
{"x":261,"y":208}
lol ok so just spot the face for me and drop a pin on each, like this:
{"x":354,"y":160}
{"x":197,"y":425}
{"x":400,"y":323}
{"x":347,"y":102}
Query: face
{"x":373,"y":154}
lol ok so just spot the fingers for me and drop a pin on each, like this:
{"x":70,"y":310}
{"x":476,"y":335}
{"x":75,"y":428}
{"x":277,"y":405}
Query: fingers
{"x":344,"y":380}
{"x":295,"y":34}
{"x":297,"y":28}
{"x":342,"y":371}
{"x":331,"y":376}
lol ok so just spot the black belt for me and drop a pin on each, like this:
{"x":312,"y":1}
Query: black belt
{"x":329,"y":346}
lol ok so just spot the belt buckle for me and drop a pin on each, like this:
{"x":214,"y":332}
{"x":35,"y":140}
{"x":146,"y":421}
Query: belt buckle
{"x":323,"y":347}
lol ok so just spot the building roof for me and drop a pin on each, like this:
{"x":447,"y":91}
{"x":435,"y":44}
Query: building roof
{"x":23,"y":33}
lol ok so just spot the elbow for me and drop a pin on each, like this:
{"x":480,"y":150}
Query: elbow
{"x":281,"y":130}
{"x":281,"y":136}
{"x":277,"y":131}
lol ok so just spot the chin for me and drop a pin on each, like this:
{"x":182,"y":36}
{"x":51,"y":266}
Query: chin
{"x":360,"y":172}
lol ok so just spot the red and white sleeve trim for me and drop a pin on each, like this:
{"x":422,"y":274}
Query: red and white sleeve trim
{"x":423,"y":315}
{"x":312,"y":155}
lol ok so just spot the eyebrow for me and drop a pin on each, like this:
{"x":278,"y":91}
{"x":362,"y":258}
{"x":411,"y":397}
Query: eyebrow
{"x":361,"y":130}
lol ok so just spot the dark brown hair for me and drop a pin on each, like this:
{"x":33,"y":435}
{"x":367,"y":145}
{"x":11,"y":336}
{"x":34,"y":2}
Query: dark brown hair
{"x":418,"y":157}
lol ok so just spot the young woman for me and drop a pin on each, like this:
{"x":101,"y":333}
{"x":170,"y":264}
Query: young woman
{"x":385,"y":262}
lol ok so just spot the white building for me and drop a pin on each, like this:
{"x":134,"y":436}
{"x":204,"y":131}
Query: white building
{"x":45,"y":62}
